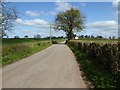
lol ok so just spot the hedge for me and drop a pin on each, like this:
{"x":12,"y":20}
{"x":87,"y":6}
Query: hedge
{"x":105,"y":55}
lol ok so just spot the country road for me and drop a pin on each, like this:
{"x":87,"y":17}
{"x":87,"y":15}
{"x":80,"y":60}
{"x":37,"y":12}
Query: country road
{"x":54,"y":67}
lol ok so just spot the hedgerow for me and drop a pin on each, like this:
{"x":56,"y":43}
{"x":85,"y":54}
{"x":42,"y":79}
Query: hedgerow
{"x":106,"y":56}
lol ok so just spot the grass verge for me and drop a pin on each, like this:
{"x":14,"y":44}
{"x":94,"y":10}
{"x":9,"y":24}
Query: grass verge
{"x":12,"y":53}
{"x":98,"y":77}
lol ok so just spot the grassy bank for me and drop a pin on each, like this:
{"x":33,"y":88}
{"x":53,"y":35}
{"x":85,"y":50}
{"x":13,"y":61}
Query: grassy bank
{"x":16,"y":49}
{"x":99,"y":62}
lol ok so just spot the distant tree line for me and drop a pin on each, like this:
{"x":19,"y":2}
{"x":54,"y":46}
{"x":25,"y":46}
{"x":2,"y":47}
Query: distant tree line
{"x":98,"y":37}
{"x":38,"y":36}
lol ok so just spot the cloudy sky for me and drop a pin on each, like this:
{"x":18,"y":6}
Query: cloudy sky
{"x":35,"y":17}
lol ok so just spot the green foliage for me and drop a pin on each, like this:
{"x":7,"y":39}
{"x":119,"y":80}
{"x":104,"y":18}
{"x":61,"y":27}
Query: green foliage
{"x":69,"y":21}
{"x":101,"y":63}
{"x":54,"y":42}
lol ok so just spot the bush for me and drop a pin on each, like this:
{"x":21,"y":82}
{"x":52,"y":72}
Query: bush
{"x":54,"y":42}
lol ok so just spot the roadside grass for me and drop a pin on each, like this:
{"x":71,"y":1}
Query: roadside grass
{"x":16,"y":49}
{"x":95,"y":74}
{"x":15,"y":52}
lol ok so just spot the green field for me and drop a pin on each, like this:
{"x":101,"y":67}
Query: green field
{"x":12,"y":41}
{"x":100,"y":41}
{"x":16,"y":49}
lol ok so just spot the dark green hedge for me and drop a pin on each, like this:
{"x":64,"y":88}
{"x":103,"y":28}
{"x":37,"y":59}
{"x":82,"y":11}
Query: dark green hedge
{"x":105,"y":55}
{"x":54,"y":42}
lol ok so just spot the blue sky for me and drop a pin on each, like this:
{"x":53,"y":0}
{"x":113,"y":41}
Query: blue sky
{"x":35,"y":17}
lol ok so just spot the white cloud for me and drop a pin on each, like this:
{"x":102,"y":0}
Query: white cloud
{"x":39,"y":23}
{"x":115,"y":3}
{"x":52,"y":13}
{"x":82,"y":4}
{"x":36,"y":13}
{"x":62,"y":6}
{"x":32,"y":13}
{"x":48,"y":13}
{"x":116,"y":6}
{"x":104,"y":28}
{"x":103,"y":25}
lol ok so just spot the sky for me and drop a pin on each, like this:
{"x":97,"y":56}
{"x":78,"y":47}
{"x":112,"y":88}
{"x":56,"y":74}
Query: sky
{"x":35,"y":18}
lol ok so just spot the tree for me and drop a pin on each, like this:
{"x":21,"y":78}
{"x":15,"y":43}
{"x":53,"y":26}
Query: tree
{"x":82,"y":36}
{"x":69,"y":21}
{"x":92,"y":36}
{"x":37,"y":36}
{"x":86,"y":36}
{"x":26,"y":36}
{"x":7,"y":16}
{"x":99,"y":37}
{"x":16,"y":37}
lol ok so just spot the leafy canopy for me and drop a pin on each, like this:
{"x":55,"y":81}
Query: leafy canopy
{"x":69,"y":21}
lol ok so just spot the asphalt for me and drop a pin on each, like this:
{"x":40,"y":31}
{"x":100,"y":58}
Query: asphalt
{"x":54,"y":67}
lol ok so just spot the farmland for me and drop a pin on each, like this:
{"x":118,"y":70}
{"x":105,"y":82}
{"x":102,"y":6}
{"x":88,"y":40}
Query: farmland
{"x":99,"y":60}
{"x":16,"y":49}
{"x":100,"y":41}
{"x":13,"y":41}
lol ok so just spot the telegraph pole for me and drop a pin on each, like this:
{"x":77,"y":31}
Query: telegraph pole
{"x":50,"y":32}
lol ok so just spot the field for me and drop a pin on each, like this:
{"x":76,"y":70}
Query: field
{"x":99,"y":60}
{"x":100,"y":41}
{"x":12,"y":41}
{"x":16,"y":49}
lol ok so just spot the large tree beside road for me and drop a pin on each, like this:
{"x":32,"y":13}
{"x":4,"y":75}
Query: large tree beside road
{"x":69,"y":21}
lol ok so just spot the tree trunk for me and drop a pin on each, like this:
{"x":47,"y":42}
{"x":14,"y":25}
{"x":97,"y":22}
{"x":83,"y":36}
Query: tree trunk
{"x":70,"y":35}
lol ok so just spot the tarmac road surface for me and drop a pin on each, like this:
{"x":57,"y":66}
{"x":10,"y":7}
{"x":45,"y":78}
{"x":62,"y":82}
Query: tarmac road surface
{"x":54,"y":67}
